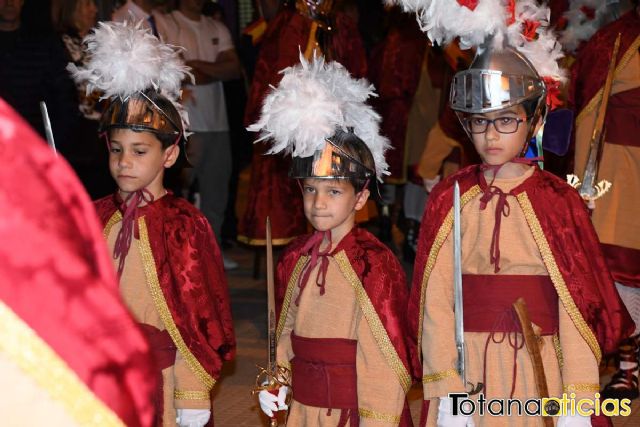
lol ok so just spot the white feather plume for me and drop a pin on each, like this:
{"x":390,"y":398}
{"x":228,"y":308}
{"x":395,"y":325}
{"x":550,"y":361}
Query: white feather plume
{"x":579,"y":26}
{"x":312,"y":100}
{"x":125,"y":58}
{"x":446,"y":20}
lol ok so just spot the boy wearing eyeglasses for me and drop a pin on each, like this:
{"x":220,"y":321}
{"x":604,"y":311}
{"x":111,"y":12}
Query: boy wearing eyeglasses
{"x":524,"y":234}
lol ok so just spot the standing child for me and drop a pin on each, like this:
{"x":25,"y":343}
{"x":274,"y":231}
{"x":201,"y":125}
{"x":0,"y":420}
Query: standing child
{"x":341,"y":293}
{"x":524,"y":233}
{"x":168,"y":262}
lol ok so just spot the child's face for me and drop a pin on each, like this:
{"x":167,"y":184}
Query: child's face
{"x":331,"y":204}
{"x":497,"y":148}
{"x":137,"y":160}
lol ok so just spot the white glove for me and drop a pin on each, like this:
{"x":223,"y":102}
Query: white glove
{"x":192,"y":417}
{"x":576,"y":420}
{"x":268,"y":401}
{"x":446,"y":417}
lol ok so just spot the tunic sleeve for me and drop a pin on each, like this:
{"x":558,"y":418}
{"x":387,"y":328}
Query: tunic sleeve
{"x":380,"y":394}
{"x":580,"y":373}
{"x":284,"y":352}
{"x":438,"y":325}
{"x":190,"y":392}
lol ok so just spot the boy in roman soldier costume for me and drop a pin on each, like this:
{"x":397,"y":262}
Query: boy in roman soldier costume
{"x":311,"y":26}
{"x":615,"y":216}
{"x":168,"y":262}
{"x":340,"y":293}
{"x":524,"y":233}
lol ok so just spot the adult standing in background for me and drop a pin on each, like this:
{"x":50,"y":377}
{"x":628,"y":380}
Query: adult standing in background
{"x":615,"y":216}
{"x":209,"y":51}
{"x":32,"y":69}
{"x":300,"y":26}
{"x":73,"y":19}
{"x":138,"y":10}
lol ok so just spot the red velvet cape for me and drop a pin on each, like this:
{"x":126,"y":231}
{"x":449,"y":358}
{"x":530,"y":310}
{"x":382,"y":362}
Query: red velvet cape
{"x":57,"y":276}
{"x":383,"y":280}
{"x":191,"y":276}
{"x":565,"y":222}
{"x":271,"y":192}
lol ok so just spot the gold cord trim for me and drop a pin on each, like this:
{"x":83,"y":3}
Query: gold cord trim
{"x":191,"y":395}
{"x":115,"y":218}
{"x":376,"y":326}
{"x":291,"y":286}
{"x":443,"y":232}
{"x":160,"y":303}
{"x":24,"y":348}
{"x":558,"y":348}
{"x":556,"y":276}
{"x":569,"y":388}
{"x":262,"y":242}
{"x":595,"y":101}
{"x":368,"y":413}
{"x":431,"y":378}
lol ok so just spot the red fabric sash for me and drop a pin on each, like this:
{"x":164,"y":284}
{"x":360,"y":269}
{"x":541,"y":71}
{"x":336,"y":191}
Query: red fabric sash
{"x":624,"y":264}
{"x":164,"y":355}
{"x":487,"y":299}
{"x":324,"y":375}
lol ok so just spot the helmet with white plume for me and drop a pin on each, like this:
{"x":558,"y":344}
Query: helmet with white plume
{"x":318,"y":114}
{"x":516,"y":58}
{"x":140,"y":77}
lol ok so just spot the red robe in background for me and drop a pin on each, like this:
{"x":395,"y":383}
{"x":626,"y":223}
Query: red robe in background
{"x":380,"y":275}
{"x":394,"y":70}
{"x":62,"y":323}
{"x":271,"y":192}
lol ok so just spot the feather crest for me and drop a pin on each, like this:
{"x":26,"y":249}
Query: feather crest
{"x":582,"y":25}
{"x":125,"y":58}
{"x":312,"y":100}
{"x":446,"y":20}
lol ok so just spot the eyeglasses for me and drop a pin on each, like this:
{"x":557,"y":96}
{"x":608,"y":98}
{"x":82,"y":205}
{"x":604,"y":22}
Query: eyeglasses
{"x":501,"y":124}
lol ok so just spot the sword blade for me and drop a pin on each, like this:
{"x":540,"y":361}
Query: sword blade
{"x":457,"y":284}
{"x":48,"y":131}
{"x":588,"y":190}
{"x":271,"y":305}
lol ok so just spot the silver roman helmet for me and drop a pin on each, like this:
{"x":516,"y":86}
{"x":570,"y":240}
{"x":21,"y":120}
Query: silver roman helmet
{"x":319,"y":115}
{"x":496,"y":80}
{"x":343,"y":156}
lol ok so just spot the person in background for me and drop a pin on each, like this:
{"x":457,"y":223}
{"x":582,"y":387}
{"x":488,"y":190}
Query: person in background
{"x":32,"y":68}
{"x":138,"y":10}
{"x":73,"y":19}
{"x":209,"y":51}
{"x":615,"y":216}
{"x":297,"y":27}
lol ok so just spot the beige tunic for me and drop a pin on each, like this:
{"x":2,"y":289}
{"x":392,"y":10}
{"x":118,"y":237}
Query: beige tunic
{"x":136,"y":294}
{"x":519,"y":256}
{"x":336,"y":314}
